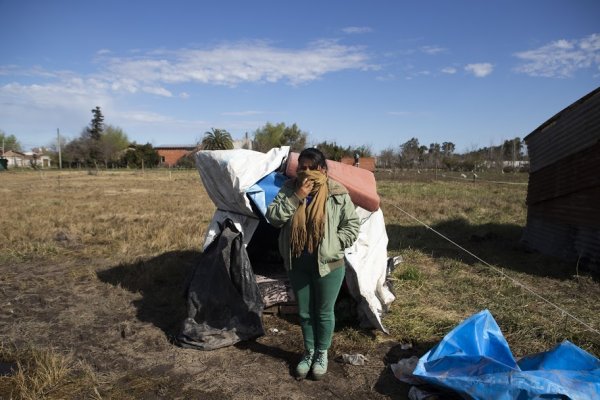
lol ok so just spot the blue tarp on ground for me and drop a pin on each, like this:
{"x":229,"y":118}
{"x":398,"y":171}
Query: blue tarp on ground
{"x":475,"y":361}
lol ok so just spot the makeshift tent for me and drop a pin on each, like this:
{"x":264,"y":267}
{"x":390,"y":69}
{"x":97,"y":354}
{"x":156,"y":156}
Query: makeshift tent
{"x":242,"y":183}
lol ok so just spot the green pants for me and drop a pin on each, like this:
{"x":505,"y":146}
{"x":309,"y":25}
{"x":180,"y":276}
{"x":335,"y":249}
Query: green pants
{"x":316,"y":296}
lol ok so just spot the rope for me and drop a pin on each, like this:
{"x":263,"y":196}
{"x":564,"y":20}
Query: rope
{"x":565,"y":312}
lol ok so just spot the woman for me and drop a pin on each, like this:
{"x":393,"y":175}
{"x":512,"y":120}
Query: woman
{"x":318,"y":221}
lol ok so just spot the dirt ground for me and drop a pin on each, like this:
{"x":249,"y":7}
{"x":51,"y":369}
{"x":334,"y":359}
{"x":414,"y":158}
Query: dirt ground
{"x":117,"y":322}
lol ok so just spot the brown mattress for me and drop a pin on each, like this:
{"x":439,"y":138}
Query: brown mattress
{"x":359,"y":182}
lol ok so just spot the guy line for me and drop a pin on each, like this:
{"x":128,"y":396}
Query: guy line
{"x":498,"y":270}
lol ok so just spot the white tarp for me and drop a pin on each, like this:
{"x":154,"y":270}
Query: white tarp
{"x":228,"y":174}
{"x":368,"y":259}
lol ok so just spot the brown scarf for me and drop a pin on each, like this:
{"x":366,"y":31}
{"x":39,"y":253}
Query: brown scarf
{"x":308,"y":223}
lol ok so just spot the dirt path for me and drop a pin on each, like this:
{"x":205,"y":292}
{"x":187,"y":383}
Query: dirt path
{"x":117,"y":323}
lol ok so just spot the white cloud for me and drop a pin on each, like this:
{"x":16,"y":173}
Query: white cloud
{"x":62,"y":98}
{"x":142,"y":117}
{"x":400,"y":113}
{"x":125,"y":85}
{"x":33,"y":111}
{"x":74,"y":93}
{"x":160,"y":91}
{"x":357,"y":29}
{"x":233,"y":64}
{"x":449,"y":70}
{"x":433,"y":50}
{"x":561,"y":58}
{"x":242,"y":113}
{"x":386,"y":78}
{"x":480,"y":70}
{"x":416,"y":114}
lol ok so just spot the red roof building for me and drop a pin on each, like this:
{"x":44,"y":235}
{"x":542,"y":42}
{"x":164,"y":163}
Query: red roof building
{"x":170,"y":154}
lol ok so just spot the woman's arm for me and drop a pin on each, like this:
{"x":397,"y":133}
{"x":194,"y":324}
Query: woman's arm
{"x":349,"y":223}
{"x":283,"y":206}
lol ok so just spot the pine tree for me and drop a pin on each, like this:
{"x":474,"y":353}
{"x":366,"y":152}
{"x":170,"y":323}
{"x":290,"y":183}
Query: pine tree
{"x":97,"y":124}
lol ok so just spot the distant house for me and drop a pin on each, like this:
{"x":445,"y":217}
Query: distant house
{"x":17,"y":159}
{"x":38,"y":158}
{"x":170,"y":154}
{"x":563,"y":195}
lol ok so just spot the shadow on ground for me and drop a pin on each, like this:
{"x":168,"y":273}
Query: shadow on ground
{"x":162,"y":281}
{"x":388,"y":385}
{"x":497,"y":244}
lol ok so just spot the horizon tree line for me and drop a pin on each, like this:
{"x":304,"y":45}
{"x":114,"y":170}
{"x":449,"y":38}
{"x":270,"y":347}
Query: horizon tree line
{"x":108,"y":145}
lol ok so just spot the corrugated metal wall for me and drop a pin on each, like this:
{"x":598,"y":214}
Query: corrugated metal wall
{"x":571,"y":174}
{"x":563,"y":196}
{"x":568,"y":242}
{"x":568,"y":132}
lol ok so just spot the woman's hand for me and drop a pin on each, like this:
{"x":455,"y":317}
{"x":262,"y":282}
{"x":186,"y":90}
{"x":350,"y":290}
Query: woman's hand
{"x":305,"y":188}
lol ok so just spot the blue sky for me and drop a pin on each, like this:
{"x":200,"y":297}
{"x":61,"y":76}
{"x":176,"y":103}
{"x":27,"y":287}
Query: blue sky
{"x":372,"y":73}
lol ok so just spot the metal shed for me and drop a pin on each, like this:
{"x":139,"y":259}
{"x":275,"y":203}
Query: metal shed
{"x":563,"y":195}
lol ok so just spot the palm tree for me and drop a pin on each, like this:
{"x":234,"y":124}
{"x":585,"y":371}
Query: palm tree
{"x":217,"y":139}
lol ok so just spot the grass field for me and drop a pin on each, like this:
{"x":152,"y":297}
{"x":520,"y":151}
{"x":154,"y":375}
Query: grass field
{"x":91,"y":265}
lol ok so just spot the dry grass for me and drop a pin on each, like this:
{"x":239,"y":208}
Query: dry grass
{"x":121,"y":244}
{"x":44,"y":374}
{"x":113,"y":215}
{"x":438,"y":284}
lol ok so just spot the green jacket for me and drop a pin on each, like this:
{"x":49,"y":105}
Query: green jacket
{"x":341,"y":226}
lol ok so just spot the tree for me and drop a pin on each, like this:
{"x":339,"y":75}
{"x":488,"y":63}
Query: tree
{"x":112,"y":143}
{"x":77,"y":151}
{"x":363,"y":151}
{"x":140,"y":155}
{"x":97,"y":125}
{"x":10,"y":142}
{"x":268,"y":137}
{"x":410,"y":152}
{"x":448,"y":148}
{"x":33,"y":162}
{"x":333,"y":151}
{"x":271,"y":135}
{"x":512,"y":149}
{"x":217,"y":139}
{"x":433,"y":154}
{"x":92,"y":135}
{"x":387,"y":158}
{"x":187,"y":161}
{"x":294,"y":137}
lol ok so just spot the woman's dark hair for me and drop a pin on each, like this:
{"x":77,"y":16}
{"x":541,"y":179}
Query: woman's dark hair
{"x":315,"y":155}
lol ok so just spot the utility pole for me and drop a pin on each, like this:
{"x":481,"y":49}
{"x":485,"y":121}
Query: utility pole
{"x":514,"y":157}
{"x":59,"y":152}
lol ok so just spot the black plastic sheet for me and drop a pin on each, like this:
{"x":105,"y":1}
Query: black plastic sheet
{"x":224,"y":302}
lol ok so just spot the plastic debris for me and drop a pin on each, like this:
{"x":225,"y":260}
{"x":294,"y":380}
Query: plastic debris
{"x":416,"y":393}
{"x":403,"y":370}
{"x":354,"y":359}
